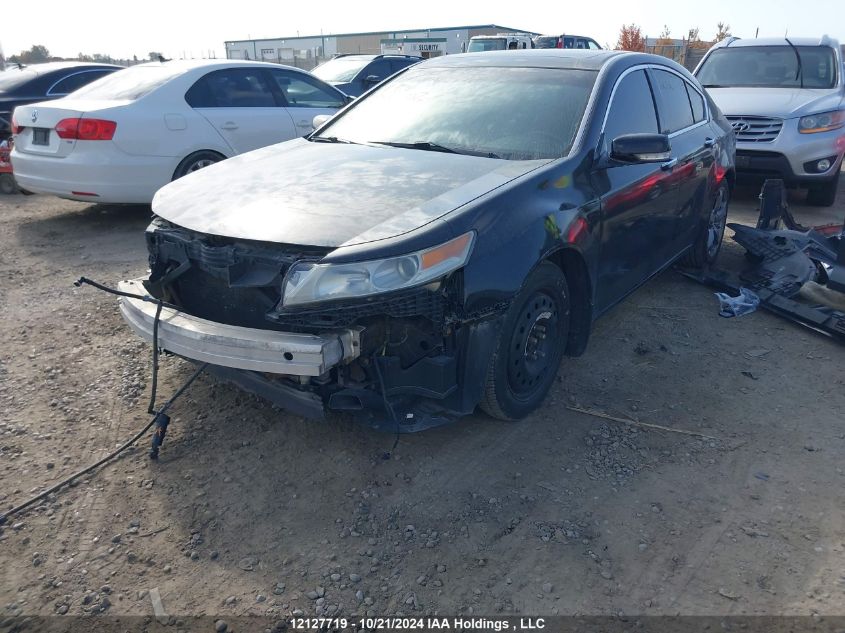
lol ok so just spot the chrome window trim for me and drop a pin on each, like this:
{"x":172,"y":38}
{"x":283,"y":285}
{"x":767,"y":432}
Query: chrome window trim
{"x":50,"y":92}
{"x":627,"y":71}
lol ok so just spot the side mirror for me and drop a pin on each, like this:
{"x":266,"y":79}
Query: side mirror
{"x":641,"y":148}
{"x":372,"y":79}
{"x":320,"y":120}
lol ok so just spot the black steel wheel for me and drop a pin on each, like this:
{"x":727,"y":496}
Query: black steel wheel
{"x":531,"y":346}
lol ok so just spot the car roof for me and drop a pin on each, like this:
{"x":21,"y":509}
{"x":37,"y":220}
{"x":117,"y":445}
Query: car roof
{"x":780,"y":41}
{"x":539,"y":58}
{"x":187,"y":65}
{"x":379,"y":56}
{"x":48,"y":67}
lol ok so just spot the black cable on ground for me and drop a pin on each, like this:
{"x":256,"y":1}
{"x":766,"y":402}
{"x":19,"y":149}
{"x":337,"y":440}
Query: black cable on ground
{"x":19,"y":508}
{"x":120,"y":293}
{"x":154,"y":380}
{"x":387,"y":406}
{"x":159,"y":305}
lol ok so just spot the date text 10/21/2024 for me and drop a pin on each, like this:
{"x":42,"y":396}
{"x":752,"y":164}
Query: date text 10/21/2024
{"x":420,"y":624}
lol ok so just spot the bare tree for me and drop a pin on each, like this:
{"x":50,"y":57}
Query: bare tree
{"x":723,"y":30}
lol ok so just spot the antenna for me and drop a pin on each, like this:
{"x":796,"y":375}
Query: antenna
{"x":757,"y":32}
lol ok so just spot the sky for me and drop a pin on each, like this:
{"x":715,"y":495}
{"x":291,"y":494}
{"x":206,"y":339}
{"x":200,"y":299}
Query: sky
{"x":188,"y":28}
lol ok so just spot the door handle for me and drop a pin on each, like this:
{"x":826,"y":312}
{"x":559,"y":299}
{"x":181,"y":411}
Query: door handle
{"x":229,"y":125}
{"x":709,"y":142}
{"x":669,"y":165}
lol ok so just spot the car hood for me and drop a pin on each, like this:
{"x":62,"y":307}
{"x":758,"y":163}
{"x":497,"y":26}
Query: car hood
{"x":783,"y":103}
{"x":329,"y":194}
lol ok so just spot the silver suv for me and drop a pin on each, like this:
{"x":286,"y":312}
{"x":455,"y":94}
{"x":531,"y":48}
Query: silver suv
{"x":785,"y":99}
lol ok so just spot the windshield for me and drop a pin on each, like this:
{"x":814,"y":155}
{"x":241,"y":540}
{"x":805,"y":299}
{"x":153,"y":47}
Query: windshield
{"x":769,"y":67}
{"x":14,"y":77}
{"x":493,"y":44}
{"x":340,"y":70}
{"x":130,"y":84}
{"x":511,"y":113}
{"x":546,"y":41}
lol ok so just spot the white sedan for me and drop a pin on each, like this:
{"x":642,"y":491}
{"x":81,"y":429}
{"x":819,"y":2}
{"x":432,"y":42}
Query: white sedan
{"x":121,"y":138}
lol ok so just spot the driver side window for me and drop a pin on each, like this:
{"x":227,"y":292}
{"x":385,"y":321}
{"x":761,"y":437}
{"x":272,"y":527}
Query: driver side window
{"x":632,"y":109}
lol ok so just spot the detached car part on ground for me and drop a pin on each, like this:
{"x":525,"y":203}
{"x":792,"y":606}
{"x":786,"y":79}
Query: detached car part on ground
{"x":445,"y":240}
{"x":796,"y":272}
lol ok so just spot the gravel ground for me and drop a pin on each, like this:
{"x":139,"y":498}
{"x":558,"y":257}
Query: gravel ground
{"x":254,"y":511}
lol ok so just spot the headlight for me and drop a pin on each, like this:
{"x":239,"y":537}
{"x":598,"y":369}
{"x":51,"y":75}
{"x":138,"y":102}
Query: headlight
{"x":308,"y":282}
{"x":822,"y":122}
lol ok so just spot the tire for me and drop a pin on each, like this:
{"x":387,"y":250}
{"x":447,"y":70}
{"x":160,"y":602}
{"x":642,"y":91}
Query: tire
{"x":195,"y":162}
{"x":8,"y":184}
{"x":708,"y":242}
{"x":824,"y":194}
{"x":531,"y":345}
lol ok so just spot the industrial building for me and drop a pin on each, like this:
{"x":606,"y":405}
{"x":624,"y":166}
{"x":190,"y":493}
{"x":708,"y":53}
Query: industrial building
{"x":309,"y":50}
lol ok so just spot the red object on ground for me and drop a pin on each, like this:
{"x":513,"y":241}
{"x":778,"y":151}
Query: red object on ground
{"x":5,"y":163}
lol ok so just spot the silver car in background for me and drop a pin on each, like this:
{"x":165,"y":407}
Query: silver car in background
{"x":785,"y":99}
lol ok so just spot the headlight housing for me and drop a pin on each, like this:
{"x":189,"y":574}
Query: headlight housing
{"x":308,"y":282}
{"x":821,"y":122}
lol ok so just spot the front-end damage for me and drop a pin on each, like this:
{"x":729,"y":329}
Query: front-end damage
{"x":394,"y":358}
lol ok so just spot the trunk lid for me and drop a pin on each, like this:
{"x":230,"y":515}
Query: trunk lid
{"x":39,"y":121}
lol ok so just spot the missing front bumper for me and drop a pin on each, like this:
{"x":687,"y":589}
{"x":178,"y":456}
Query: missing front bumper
{"x":238,"y":347}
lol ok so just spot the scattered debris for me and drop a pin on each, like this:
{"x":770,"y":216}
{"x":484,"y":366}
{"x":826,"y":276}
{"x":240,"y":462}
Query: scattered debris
{"x":158,"y":608}
{"x":647,"y":425}
{"x":744,"y":303}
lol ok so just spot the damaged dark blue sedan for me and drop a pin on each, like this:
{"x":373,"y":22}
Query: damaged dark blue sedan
{"x":443,"y":242}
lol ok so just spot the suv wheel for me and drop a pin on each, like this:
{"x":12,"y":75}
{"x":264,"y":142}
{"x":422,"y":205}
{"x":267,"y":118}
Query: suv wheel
{"x":824,"y":194}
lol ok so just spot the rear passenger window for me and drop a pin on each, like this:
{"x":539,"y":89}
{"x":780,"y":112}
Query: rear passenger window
{"x":632,"y":109}
{"x":697,"y":103}
{"x":231,"y":88}
{"x":675,"y":109}
{"x":76,"y":81}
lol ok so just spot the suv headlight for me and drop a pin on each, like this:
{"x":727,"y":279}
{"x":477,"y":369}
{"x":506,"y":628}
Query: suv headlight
{"x":307,"y":282}
{"x":821,"y":122}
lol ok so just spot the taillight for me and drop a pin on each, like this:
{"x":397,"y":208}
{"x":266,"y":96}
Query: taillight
{"x":16,"y":129}
{"x":86,"y":129}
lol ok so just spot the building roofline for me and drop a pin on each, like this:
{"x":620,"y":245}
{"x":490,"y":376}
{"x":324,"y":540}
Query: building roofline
{"x":435,"y":30}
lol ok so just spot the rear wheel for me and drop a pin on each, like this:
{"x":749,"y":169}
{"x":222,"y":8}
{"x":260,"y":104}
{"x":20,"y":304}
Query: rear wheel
{"x":709,"y":240}
{"x":195,"y":162}
{"x":8,"y":184}
{"x":531,"y":346}
{"x":824,"y":194}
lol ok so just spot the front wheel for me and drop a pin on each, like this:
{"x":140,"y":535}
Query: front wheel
{"x":530,"y":347}
{"x":708,"y":242}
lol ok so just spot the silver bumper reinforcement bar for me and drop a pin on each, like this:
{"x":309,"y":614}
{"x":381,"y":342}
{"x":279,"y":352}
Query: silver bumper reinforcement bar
{"x":238,"y":347}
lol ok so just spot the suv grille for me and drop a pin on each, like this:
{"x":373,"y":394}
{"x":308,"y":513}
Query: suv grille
{"x":755,"y":129}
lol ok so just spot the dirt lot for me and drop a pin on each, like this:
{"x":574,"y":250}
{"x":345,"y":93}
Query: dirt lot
{"x":251,"y":509}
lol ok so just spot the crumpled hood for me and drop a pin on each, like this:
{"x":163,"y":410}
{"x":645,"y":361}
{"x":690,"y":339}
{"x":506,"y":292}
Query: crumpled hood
{"x":782,"y":103}
{"x":329,"y":194}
